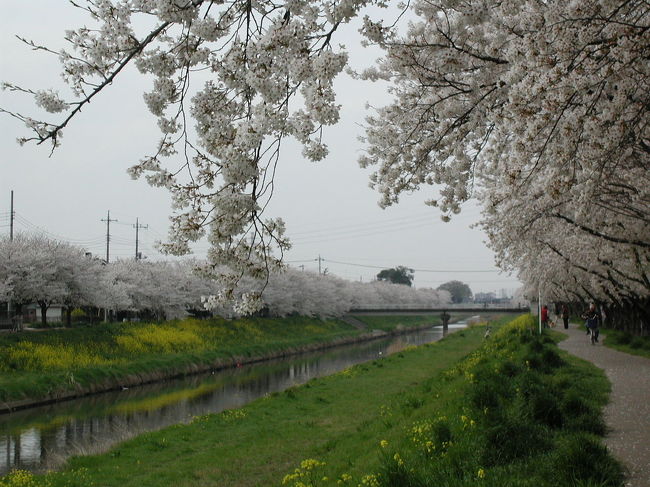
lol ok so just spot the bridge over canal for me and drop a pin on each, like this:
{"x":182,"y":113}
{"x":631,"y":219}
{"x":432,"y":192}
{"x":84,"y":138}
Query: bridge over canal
{"x":458,"y":308}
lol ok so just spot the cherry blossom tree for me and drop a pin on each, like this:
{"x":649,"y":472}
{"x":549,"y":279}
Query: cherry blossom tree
{"x":312,"y":294}
{"x":539,"y":109}
{"x":266,"y":70}
{"x":161,"y":290}
{"x":37,"y":269}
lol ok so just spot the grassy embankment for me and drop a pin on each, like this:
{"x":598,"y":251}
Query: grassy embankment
{"x":35,"y":365}
{"x":626,"y":342}
{"x":508,"y":411}
{"x":392,"y":322}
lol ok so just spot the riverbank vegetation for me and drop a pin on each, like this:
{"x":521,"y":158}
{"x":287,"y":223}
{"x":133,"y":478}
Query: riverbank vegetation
{"x":391,"y":322}
{"x":440,"y":414}
{"x":627,"y":342}
{"x":48,"y":363}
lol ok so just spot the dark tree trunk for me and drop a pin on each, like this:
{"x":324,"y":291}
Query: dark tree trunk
{"x":43,"y":305}
{"x":631,"y":316}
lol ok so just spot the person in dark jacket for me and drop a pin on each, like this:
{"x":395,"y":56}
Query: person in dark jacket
{"x":591,"y":320}
{"x":565,"y":316}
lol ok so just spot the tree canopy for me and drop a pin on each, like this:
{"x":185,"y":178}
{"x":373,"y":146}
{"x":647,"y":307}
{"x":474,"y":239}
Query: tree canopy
{"x":539,"y":109}
{"x":460,"y":292}
{"x":37,"y":269}
{"x":397,"y":275}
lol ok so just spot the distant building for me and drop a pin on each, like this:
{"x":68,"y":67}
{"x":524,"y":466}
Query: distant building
{"x":485,"y":297}
{"x":32,"y":313}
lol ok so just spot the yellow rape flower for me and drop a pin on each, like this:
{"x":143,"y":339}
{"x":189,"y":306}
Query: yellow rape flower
{"x":398,"y":459}
{"x":370,"y":481}
{"x":310,"y":464}
{"x":345,"y":478}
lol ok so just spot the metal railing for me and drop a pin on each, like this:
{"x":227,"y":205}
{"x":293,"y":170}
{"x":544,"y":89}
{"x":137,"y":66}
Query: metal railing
{"x":441,"y":307}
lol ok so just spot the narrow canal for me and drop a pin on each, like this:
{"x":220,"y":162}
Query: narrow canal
{"x":42,"y":438}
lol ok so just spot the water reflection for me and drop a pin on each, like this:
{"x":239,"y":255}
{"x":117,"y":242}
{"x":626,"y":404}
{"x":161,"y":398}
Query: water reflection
{"x":42,"y":438}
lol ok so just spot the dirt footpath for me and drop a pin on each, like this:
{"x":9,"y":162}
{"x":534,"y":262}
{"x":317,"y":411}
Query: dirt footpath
{"x":628,"y":413}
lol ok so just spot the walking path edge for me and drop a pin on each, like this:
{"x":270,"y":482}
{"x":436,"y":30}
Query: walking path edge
{"x":628,"y":413}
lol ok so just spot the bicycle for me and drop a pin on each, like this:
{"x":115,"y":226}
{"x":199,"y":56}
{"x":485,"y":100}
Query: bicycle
{"x":593,"y":335}
{"x":591,"y":317}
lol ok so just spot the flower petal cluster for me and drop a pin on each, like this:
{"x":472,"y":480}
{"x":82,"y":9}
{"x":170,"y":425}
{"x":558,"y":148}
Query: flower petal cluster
{"x":230,"y":80}
{"x":540,"y":110}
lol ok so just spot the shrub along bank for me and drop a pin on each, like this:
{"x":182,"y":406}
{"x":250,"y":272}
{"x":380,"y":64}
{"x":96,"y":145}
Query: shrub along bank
{"x":58,"y":363}
{"x":626,"y":342}
{"x":510,"y":410}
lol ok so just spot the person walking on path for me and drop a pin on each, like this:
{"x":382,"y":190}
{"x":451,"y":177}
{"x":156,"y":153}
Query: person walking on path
{"x":628,"y":413}
{"x":544,"y":316}
{"x":565,"y":316}
{"x":591,"y":315}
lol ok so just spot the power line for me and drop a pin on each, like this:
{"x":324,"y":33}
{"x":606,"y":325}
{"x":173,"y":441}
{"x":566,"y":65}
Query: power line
{"x":33,"y":227}
{"x":410,"y":218}
{"x":348,"y":235}
{"x":415,"y":270}
{"x":361,"y":226}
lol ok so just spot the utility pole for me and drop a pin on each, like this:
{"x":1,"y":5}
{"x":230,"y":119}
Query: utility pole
{"x":320,"y":259}
{"x":11,"y":218}
{"x":108,"y":232}
{"x":10,"y":314}
{"x":137,"y":226}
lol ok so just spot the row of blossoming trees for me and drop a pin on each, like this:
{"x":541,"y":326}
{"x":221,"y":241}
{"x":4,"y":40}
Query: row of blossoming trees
{"x":35,"y":269}
{"x":539,"y":109}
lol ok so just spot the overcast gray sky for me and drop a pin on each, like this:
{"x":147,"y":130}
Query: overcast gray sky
{"x":328,"y":207}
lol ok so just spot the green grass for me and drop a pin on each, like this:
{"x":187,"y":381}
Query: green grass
{"x":626,"y":342}
{"x":531,"y":417}
{"x":390,"y":322}
{"x":437,"y":415}
{"x":36,"y":364}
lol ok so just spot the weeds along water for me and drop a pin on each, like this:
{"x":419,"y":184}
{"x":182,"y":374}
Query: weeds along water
{"x":510,"y":410}
{"x":34,"y":365}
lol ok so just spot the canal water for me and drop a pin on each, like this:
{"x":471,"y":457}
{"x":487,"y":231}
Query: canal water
{"x":42,"y":438}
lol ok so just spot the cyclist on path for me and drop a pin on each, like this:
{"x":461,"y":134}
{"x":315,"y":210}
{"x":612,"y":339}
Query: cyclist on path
{"x":591,"y":317}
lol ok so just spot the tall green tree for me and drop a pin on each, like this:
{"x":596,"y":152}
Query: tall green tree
{"x":397,"y":275}
{"x":460,"y":292}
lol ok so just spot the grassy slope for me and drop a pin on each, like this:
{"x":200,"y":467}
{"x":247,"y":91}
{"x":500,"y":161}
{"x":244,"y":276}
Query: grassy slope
{"x":341,"y":421}
{"x":390,"y":322}
{"x":627,"y":343}
{"x":37,"y":364}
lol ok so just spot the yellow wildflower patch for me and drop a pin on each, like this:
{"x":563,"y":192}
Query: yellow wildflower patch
{"x":41,"y":356}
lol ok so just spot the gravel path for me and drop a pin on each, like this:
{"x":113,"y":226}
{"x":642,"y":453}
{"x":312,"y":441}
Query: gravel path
{"x":628,"y":413}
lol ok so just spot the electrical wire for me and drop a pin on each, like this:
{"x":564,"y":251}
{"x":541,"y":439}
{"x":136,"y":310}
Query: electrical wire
{"x":430,"y":216}
{"x":33,"y":227}
{"x":414,"y":270}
